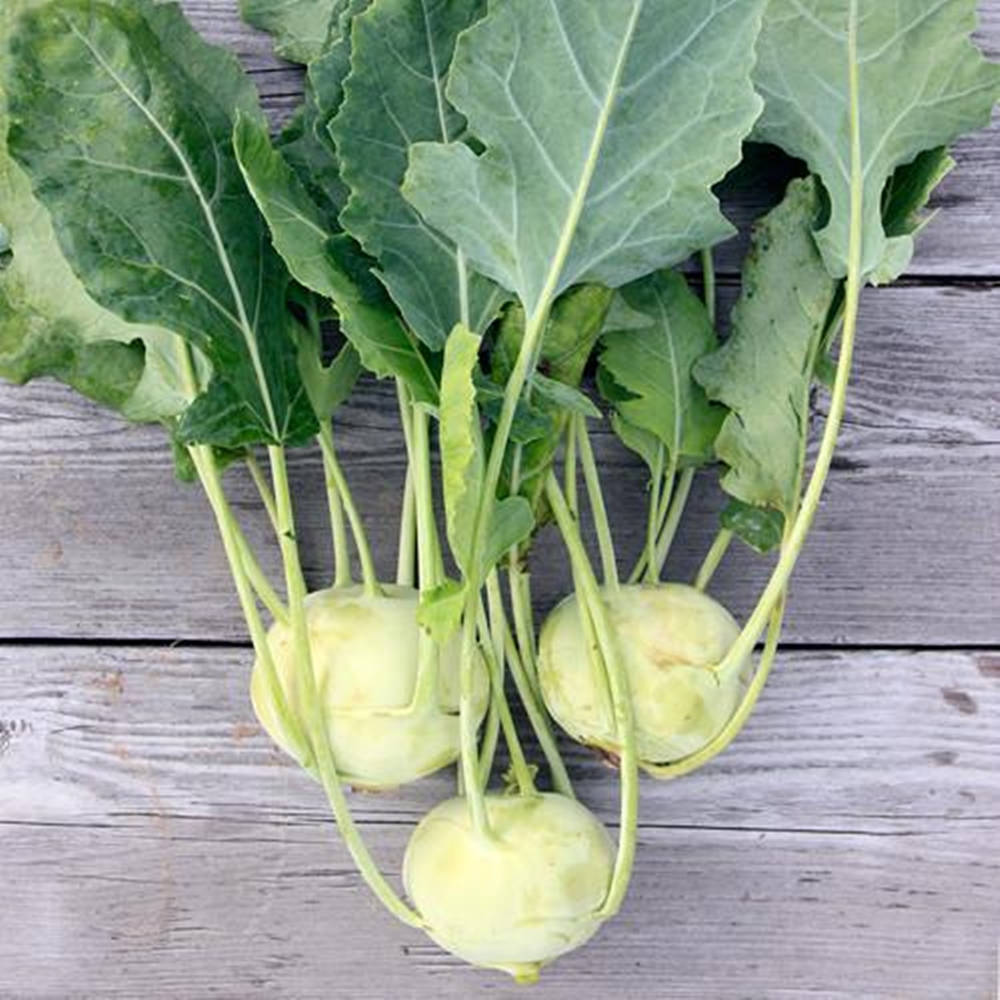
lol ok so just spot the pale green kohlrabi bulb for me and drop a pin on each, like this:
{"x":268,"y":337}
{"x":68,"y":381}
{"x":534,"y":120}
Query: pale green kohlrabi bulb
{"x":365,"y":659}
{"x":517,"y":899}
{"x":667,"y":635}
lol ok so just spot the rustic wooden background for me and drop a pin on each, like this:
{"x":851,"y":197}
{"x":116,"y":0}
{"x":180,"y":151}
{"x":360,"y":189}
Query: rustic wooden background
{"x":153,"y":842}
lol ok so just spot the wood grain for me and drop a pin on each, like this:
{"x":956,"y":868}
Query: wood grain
{"x":101,"y":542}
{"x":154,"y":843}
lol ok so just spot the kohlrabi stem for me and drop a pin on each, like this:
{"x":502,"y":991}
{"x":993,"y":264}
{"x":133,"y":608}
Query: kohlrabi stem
{"x":339,"y":482}
{"x":738,"y":719}
{"x":621,"y":696}
{"x":428,"y":542}
{"x":406,"y":558}
{"x":263,"y":487}
{"x":525,"y":684}
{"x":204,"y":462}
{"x":488,"y":750}
{"x":708,"y":276}
{"x":599,"y":512}
{"x":674,"y":514}
{"x":570,"y":471}
{"x":335,"y":506}
{"x":656,"y":484}
{"x":407,"y":555}
{"x":316,"y":725}
{"x":538,"y":719}
{"x":795,"y":539}
{"x":713,"y":557}
{"x":258,"y":578}
{"x":495,"y":628}
{"x":469,"y":764}
{"x":474,"y":582}
{"x":519,"y":586}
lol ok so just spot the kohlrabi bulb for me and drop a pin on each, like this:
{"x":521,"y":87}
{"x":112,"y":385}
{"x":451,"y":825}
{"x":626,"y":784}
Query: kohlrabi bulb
{"x":365,"y":659}
{"x":667,"y":635}
{"x":519,"y":898}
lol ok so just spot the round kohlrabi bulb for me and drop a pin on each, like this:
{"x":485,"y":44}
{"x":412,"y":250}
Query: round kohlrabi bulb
{"x":364,"y":652}
{"x":667,"y":636}
{"x":518,"y":898}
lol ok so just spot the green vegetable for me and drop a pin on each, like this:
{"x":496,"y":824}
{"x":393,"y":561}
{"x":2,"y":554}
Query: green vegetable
{"x":486,"y":198}
{"x":389,"y":719}
{"x":520,"y":899}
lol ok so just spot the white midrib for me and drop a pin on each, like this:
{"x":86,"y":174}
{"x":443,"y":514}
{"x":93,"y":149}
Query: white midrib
{"x":460,"y":263}
{"x":541,"y":308}
{"x":220,"y":249}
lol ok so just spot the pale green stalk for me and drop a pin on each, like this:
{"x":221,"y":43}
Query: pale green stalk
{"x":621,"y":698}
{"x":316,"y":724}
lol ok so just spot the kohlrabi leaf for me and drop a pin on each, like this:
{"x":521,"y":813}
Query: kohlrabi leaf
{"x":512,"y":521}
{"x":328,"y":386}
{"x":558,"y":396}
{"x":903,"y":203}
{"x":305,"y":142}
{"x":440,"y":610}
{"x":130,"y":150}
{"x":760,"y":527}
{"x":320,"y":259}
{"x":394,"y":97}
{"x":764,"y":372}
{"x":49,"y":325}
{"x":571,"y":332}
{"x":300,"y":27}
{"x":604,"y":125}
{"x":651,"y":366}
{"x":463,"y":465}
{"x":921,"y":83}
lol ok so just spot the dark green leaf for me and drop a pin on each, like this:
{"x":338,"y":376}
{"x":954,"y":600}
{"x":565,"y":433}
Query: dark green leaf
{"x":394,"y":97}
{"x":329,"y":264}
{"x":130,"y":150}
{"x":764,"y":372}
{"x":648,"y":369}
{"x":760,"y":527}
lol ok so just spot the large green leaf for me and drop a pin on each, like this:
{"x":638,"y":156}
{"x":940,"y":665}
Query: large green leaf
{"x":651,"y":367}
{"x":605,"y":125}
{"x":49,"y":325}
{"x":129,"y":147}
{"x":921,"y":83}
{"x":322,"y":261}
{"x":764,"y":371}
{"x":394,"y":97}
{"x":300,"y":27}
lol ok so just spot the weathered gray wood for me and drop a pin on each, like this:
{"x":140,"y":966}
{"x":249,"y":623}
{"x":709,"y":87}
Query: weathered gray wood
{"x":153,"y":843}
{"x":961,"y":242}
{"x":99,"y":541}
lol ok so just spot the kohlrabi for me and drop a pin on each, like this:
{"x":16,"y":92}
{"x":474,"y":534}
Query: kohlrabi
{"x":389,"y":718}
{"x":521,"y":897}
{"x":670,"y":637}
{"x":481,"y":197}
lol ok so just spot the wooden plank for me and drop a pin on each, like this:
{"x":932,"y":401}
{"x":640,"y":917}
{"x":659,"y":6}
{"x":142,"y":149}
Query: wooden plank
{"x":962,"y":241}
{"x":100,"y":541}
{"x":153,"y":843}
